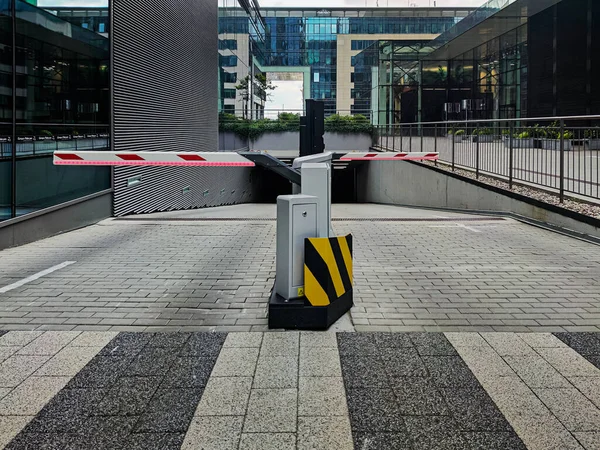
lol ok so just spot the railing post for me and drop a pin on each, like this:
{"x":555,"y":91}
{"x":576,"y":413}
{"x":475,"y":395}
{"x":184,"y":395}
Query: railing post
{"x":510,"y":155}
{"x":435,"y":133}
{"x":393,"y":138}
{"x":401,"y":138}
{"x":562,"y":161}
{"x":410,"y":138}
{"x":422,"y":129}
{"x":453,"y":145}
{"x":477,"y":154}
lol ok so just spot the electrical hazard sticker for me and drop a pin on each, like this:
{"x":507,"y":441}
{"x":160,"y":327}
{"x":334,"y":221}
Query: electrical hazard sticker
{"x":301,"y":291}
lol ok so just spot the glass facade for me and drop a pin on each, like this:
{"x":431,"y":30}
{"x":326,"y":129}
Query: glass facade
{"x":297,"y":37}
{"x":61,"y":101}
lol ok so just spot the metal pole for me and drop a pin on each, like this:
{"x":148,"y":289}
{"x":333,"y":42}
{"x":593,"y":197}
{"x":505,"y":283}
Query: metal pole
{"x":13,"y":172}
{"x":477,"y":153}
{"x":453,"y":145}
{"x":510,"y":156}
{"x":562,"y":161}
{"x":410,"y":138}
{"x":435,"y":133}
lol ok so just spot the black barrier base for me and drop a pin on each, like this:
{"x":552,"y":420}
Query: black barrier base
{"x":298,"y":314}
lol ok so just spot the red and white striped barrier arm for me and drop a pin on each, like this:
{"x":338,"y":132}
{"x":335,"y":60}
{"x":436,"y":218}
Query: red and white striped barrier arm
{"x":85,"y":158}
{"x":389,"y":156}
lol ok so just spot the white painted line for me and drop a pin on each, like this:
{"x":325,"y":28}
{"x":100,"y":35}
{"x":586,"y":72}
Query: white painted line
{"x":456,"y":225}
{"x":35,"y":276}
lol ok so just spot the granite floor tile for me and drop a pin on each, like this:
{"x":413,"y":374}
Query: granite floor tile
{"x":126,"y":344}
{"x":572,"y":408}
{"x":588,"y":386}
{"x":460,"y":339}
{"x":474,"y":410}
{"x":236,"y":362}
{"x":322,"y":339}
{"x":276,"y":372}
{"x":418,"y":396}
{"x":319,"y":362}
{"x":213,"y":433}
{"x":508,"y":344}
{"x":374,"y":410}
{"x":169,"y":411}
{"x":31,"y":395}
{"x":589,"y":440}
{"x":151,"y":362}
{"x":321,"y":396}
{"x":536,"y":372}
{"x":379,"y":441}
{"x":243,"y":340}
{"x":268,"y":441}
{"x":129,"y":396}
{"x":169,"y":340}
{"x":188,"y":372}
{"x":383,"y":340}
{"x":357,"y":344}
{"x":93,"y":339}
{"x":449,"y":371}
{"x":7,"y":352}
{"x":10,"y":426}
{"x":568,"y":363}
{"x":403,"y":362}
{"x":204,"y":344}
{"x":17,"y":368}
{"x":68,"y":361}
{"x":49,"y":343}
{"x":271,"y":411}
{"x":18,"y":338}
{"x":364,"y":372}
{"x":101,"y":371}
{"x":280,"y":344}
{"x":154,"y":441}
{"x":324,"y":433}
{"x":432,"y":344}
{"x":484,"y":440}
{"x":434,"y":433}
{"x":225,"y":397}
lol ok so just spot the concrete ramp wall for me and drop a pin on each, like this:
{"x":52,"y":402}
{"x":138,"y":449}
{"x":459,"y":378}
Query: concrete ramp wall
{"x":413,"y":184}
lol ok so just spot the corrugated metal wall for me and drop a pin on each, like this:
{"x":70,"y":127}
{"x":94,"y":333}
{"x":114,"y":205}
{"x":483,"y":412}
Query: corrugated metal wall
{"x":165,"y":81}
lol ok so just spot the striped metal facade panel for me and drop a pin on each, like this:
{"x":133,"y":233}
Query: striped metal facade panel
{"x":164,"y":83}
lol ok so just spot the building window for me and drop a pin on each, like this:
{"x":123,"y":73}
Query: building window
{"x":352,"y":77}
{"x":227,"y":44}
{"x":102,"y":28}
{"x":228,"y":61}
{"x":228,"y":93}
{"x":352,"y":60}
{"x":229,"y":77}
{"x":229,"y":109}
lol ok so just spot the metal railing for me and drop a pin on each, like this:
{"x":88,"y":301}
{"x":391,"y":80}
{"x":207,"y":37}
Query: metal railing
{"x":44,"y":139}
{"x":555,"y":153}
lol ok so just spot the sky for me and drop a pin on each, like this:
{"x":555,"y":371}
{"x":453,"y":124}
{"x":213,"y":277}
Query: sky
{"x":307,"y":3}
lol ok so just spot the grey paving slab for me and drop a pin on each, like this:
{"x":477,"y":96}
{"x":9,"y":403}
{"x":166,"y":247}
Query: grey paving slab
{"x":572,"y":408}
{"x":536,"y":372}
{"x":213,"y":433}
{"x":6,"y":352}
{"x":373,"y":410}
{"x":268,"y":441}
{"x":225,"y":396}
{"x":68,"y":361}
{"x":169,"y":411}
{"x":17,"y":368}
{"x":321,"y":339}
{"x":419,"y":396}
{"x":321,"y":396}
{"x":236,"y":362}
{"x":589,"y":440}
{"x":10,"y":426}
{"x":324,"y":433}
{"x":49,"y":343}
{"x":373,"y":441}
{"x":276,"y":372}
{"x":588,"y":386}
{"x":243,"y":340}
{"x":19,"y":338}
{"x":319,"y":362}
{"x":567,"y":362}
{"x":271,"y":411}
{"x":434,"y":432}
{"x":280,"y":344}
{"x":93,"y":339}
{"x":31,"y":395}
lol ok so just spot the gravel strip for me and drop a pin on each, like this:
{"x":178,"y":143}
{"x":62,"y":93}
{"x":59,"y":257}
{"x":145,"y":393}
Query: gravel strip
{"x":580,"y":206}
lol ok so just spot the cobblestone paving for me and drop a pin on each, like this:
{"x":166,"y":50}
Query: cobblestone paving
{"x":308,"y":390}
{"x":494,"y":276}
{"x":426,"y":271}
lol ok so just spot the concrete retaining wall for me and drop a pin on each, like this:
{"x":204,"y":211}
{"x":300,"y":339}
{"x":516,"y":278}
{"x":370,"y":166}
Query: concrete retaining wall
{"x":412,"y":184}
{"x":290,"y":140}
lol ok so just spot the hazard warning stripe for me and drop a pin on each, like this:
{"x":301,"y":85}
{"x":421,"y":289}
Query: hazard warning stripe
{"x":92,"y":158}
{"x":389,"y":156}
{"x":327,"y":269}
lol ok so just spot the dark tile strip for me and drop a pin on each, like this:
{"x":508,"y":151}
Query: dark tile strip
{"x":413,"y":391}
{"x":2,"y":333}
{"x":139,"y":392}
{"x":586,"y":344}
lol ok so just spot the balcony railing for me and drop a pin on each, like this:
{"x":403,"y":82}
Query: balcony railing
{"x":560,"y":154}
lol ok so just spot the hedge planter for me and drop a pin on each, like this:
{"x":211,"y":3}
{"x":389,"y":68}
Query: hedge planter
{"x":483,"y":138}
{"x":593,"y":144}
{"x":554,"y":144}
{"x":520,"y":143}
{"x":458,"y":138}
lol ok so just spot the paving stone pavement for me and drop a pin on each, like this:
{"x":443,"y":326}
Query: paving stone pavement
{"x":299,"y":390}
{"x":422,"y":270}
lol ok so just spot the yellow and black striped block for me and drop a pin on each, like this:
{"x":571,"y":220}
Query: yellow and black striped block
{"x":327,"y":269}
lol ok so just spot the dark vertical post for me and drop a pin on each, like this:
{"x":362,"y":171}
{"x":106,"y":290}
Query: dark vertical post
{"x":435,"y":133}
{"x":562,"y":160}
{"x":410,"y":138}
{"x":13,"y":172}
{"x":511,"y":130}
{"x":453,"y":145}
{"x":477,"y":153}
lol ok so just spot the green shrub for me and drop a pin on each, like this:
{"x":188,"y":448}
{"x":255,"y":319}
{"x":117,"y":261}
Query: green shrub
{"x":47,"y":133}
{"x":482,"y":132}
{"x":523,"y":135}
{"x":592,"y":133}
{"x":459,"y":132}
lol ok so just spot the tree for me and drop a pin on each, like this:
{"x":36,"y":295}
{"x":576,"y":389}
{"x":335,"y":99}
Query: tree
{"x":261,"y":87}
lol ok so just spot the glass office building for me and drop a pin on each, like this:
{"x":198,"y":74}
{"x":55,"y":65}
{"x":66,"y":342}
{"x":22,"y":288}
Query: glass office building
{"x":54,"y":94}
{"x":311,"y":38}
